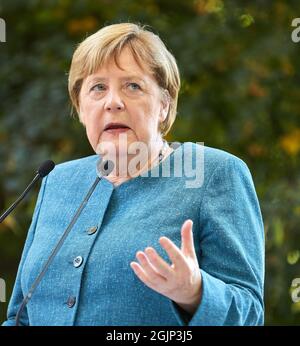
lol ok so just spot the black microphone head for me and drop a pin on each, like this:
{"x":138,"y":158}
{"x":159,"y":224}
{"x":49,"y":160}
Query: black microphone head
{"x":104,"y":168}
{"x":45,"y":168}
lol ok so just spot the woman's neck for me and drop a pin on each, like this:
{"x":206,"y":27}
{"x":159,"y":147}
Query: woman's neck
{"x":116,"y":178}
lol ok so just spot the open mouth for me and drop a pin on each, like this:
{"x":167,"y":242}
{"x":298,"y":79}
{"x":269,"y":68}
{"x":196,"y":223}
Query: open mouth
{"x":116,"y":128}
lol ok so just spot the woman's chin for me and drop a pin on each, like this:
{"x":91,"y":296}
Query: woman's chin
{"x":112,"y":149}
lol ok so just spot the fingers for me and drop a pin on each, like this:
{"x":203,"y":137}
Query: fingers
{"x":140,"y":273}
{"x":174,"y":253}
{"x":161,"y":266}
{"x":148,"y":267}
{"x":153,"y":270}
{"x":146,"y":272}
{"x":187,"y":239}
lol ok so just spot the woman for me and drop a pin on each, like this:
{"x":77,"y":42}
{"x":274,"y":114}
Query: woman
{"x":146,"y":249}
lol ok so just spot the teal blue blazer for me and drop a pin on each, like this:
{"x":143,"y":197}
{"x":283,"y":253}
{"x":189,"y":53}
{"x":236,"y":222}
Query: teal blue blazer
{"x":90,"y":282}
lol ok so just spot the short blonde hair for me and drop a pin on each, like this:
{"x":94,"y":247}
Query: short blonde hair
{"x":146,"y":47}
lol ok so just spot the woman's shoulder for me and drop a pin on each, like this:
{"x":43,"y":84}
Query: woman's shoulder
{"x":212,"y":157}
{"x":75,"y":169}
{"x":82,"y":162}
{"x":223,"y":166}
{"x":79,"y":163}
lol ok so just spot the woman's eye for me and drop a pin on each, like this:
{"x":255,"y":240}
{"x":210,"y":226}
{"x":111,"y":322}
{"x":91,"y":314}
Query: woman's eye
{"x":98,"y":87}
{"x":134,"y":86}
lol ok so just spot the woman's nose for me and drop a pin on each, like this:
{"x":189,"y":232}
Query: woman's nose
{"x":114,"y":102}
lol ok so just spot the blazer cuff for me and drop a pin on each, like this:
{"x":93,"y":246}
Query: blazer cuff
{"x":212,"y":308}
{"x":182,"y":316}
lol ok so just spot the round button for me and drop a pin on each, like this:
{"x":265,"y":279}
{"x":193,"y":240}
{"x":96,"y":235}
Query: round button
{"x":92,"y":230}
{"x":71,"y":301}
{"x":77,"y":261}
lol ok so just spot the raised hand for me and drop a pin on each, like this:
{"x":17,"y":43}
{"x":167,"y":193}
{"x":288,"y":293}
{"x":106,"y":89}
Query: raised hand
{"x":180,"y":282}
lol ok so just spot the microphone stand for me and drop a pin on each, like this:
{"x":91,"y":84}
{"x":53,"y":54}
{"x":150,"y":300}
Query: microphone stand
{"x":45,"y":168}
{"x":55,"y":251}
{"x":12,"y":207}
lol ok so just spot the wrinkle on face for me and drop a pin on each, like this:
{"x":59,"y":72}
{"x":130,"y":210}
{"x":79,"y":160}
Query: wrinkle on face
{"x":140,"y":110}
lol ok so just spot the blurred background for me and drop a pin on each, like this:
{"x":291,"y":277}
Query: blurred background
{"x":240,"y":93}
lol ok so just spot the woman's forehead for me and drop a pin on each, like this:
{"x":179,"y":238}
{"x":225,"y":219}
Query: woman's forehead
{"x":124,"y":66}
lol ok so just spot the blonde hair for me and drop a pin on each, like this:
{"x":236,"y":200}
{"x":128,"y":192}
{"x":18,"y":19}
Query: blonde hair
{"x":146,"y":47}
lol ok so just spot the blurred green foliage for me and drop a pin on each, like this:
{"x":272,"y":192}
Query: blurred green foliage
{"x":240,"y":93}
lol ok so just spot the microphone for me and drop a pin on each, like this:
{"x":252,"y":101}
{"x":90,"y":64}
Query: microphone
{"x":103,"y":168}
{"x":44,"y":170}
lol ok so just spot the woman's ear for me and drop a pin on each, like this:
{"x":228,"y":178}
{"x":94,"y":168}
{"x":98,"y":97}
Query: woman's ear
{"x":81,"y":115}
{"x":165,"y":102}
{"x":80,"y":119}
{"x":80,"y":111}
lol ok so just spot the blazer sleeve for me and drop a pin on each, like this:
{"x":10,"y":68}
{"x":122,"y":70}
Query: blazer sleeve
{"x":17,"y":293}
{"x":231,"y":258}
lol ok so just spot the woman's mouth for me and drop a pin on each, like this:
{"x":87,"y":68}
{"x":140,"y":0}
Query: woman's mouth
{"x":115,"y":129}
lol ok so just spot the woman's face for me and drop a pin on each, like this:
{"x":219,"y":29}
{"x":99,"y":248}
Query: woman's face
{"x":131,"y":97}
